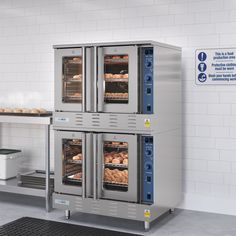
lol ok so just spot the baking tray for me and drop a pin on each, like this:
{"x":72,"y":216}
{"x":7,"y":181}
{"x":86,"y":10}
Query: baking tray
{"x":46,"y":114}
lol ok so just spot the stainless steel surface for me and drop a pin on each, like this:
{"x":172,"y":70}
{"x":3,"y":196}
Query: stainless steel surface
{"x":119,"y":209}
{"x":47,"y":168}
{"x":95,"y":78}
{"x":83,"y":165}
{"x":89,"y":79}
{"x":26,"y":120}
{"x":165,"y":125}
{"x":120,"y":123}
{"x":122,"y":43}
{"x":94,"y":166}
{"x":11,"y":186}
{"x":99,"y":165}
{"x":83,"y":80}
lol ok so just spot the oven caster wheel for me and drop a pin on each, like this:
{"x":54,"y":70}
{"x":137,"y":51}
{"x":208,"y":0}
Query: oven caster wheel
{"x":172,"y":210}
{"x":67,"y":214}
{"x":146,"y":225}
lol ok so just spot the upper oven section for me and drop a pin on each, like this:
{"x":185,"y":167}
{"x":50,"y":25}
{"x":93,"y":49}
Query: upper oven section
{"x":118,"y":79}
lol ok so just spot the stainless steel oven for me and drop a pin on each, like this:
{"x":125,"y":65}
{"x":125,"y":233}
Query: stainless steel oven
{"x":98,"y":165}
{"x":99,"y":78}
{"x":118,"y":125}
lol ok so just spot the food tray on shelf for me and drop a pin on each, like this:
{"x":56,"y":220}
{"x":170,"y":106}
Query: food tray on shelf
{"x":116,"y":61}
{"x":74,"y":161}
{"x":116,"y":145}
{"x":34,"y":179}
{"x":49,"y":113}
{"x":116,"y":97}
{"x":116,"y":165}
{"x":117,"y":80}
{"x":118,"y":184}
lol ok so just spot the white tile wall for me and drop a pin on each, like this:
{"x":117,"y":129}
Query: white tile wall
{"x":29,"y":28}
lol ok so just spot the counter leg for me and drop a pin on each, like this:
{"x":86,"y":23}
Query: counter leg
{"x":47,"y":167}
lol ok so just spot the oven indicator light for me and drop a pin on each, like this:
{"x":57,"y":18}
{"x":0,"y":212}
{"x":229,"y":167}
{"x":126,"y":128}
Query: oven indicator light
{"x":147,"y":123}
{"x":147,"y":213}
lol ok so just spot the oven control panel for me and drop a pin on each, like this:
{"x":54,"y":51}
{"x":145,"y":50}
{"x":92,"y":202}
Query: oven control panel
{"x":147,"y":56}
{"x":147,"y":166}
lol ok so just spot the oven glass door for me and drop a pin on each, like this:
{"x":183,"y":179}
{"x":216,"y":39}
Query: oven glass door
{"x":69,"y":79}
{"x":118,"y":178}
{"x":69,"y":162}
{"x":118,"y":79}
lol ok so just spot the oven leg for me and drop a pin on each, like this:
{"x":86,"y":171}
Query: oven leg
{"x":172,"y":210}
{"x":146,"y":225}
{"x":67,"y":214}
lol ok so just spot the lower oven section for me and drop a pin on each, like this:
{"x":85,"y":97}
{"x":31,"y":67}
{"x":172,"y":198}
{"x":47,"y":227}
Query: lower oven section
{"x":104,"y":166}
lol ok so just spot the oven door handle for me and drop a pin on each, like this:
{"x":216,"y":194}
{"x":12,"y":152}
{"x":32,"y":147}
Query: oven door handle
{"x":83,"y":165}
{"x":83,"y":79}
{"x":101,"y":81}
{"x":94,"y":166}
{"x":100,"y":165}
{"x":95,"y":77}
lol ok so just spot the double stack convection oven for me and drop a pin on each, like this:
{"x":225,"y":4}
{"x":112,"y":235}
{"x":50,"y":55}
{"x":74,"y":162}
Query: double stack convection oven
{"x":117,"y":125}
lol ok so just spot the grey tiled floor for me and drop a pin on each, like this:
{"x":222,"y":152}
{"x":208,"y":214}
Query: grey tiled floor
{"x":181,"y":223}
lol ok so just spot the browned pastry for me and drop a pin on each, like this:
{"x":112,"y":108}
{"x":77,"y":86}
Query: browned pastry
{"x":116,"y":57}
{"x":125,"y":161}
{"x":17,"y":110}
{"x":77,"y":176}
{"x":115,"y":161}
{"x":108,"y":75}
{"x":78,"y":157}
{"x":125,"y":57}
{"x":8,"y":110}
{"x":77,"y":77}
{"x":78,"y":59}
{"x":77,"y":95}
{"x":35,"y":111}
{"x":125,"y":76}
{"x":1,"y":109}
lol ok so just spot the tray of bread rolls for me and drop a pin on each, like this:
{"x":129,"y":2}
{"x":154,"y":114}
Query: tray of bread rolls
{"x":116,"y":144}
{"x":115,"y":177}
{"x":75,"y":78}
{"x":116,"y":96}
{"x":77,"y":177}
{"x":117,"y":59}
{"x":25,"y":112}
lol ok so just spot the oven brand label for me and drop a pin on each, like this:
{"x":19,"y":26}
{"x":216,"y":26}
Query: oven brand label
{"x":147,"y":213}
{"x":61,"y":119}
{"x":147,"y":123}
{"x":62,"y":202}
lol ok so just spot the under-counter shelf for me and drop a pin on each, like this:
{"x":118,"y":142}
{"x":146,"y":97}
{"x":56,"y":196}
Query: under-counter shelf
{"x":11,"y":185}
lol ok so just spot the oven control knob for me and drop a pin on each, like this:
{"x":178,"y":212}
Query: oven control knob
{"x":148,"y":64}
{"x":148,"y":152}
{"x":148,"y":78}
{"x":148,"y":166}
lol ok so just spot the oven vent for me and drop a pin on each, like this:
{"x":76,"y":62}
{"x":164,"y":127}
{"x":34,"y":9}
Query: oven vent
{"x":95,"y":207}
{"x":79,"y":120}
{"x":132,"y":211}
{"x":132,"y":122}
{"x":113,"y":121}
{"x":95,"y":120}
{"x":79,"y":205}
{"x":113,"y":209}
